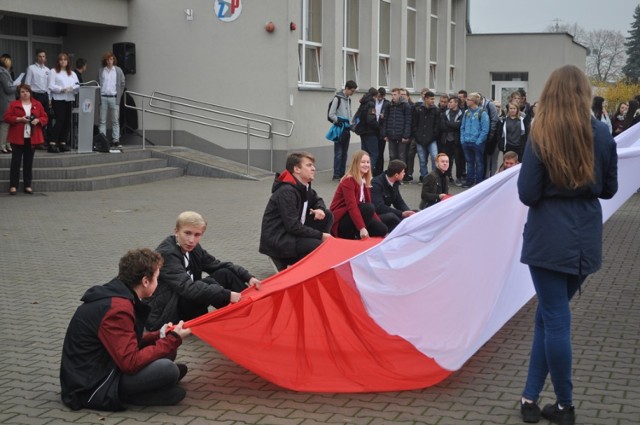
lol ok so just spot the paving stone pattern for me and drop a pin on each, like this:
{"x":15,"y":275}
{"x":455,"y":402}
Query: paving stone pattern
{"x":54,"y":246}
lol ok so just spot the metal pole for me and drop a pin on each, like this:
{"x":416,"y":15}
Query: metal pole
{"x":144,"y":137}
{"x":248,"y":145}
{"x":171,"y":119}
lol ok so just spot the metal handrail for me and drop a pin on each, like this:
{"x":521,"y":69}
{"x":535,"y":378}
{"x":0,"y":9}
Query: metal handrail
{"x":242,"y":111}
{"x":263,"y":132}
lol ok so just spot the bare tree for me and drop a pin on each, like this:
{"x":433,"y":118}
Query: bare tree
{"x":606,"y":55}
{"x":606,"y":50}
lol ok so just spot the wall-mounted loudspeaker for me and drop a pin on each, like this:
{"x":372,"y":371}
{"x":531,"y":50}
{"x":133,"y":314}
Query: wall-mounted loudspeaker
{"x":126,"y":56}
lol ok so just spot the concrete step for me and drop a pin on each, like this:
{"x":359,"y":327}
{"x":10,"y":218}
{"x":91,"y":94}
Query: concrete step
{"x":44,"y":159}
{"x":95,"y":170}
{"x":105,"y":182}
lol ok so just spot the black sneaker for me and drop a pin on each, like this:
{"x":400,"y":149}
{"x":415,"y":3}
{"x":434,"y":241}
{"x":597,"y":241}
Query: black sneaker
{"x":530,"y":412}
{"x":467,"y":184}
{"x":564,"y":416}
{"x":53,"y":149}
{"x":183,"y":370}
{"x":408,"y":178}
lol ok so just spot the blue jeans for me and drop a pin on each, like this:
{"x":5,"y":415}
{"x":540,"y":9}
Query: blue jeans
{"x":432,"y":149}
{"x":109,"y":104}
{"x":340,"y":152}
{"x":369,"y":144}
{"x":474,"y":154}
{"x":551,"y":348}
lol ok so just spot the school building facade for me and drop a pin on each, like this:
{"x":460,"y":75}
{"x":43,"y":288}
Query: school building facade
{"x":274,"y":60}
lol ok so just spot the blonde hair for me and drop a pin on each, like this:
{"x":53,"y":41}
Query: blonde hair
{"x":190,"y":218}
{"x":354,"y":168}
{"x":562,"y":136}
{"x":509,"y":105}
{"x":475,"y":97}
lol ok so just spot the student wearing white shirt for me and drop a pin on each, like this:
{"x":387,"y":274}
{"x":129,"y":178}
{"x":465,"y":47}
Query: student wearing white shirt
{"x":38,"y":78}
{"x":63,"y":84}
{"x":112,"y":81}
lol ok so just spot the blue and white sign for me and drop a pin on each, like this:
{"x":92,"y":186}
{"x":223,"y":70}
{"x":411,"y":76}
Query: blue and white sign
{"x":227,"y":10}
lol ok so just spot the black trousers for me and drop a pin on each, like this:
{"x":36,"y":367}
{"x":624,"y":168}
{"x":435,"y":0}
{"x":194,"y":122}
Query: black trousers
{"x":226,"y":278}
{"x":62,"y":128}
{"x":155,"y":385}
{"x":390,"y":220}
{"x":378,"y":167}
{"x":375,"y":227}
{"x":22,"y":154}
{"x":304,"y":246}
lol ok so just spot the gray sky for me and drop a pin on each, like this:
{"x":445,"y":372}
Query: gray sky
{"x":498,"y":16}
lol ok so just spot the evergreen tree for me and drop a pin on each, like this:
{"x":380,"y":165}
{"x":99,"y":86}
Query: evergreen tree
{"x":632,"y":67}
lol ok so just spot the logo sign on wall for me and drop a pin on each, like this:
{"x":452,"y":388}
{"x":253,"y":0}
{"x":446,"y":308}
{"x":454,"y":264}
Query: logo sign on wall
{"x":227,"y":10}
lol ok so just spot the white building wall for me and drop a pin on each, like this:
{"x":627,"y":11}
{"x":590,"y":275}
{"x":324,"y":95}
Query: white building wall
{"x":538,"y":54}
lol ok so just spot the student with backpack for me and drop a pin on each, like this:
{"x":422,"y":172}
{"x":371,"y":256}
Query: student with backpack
{"x":366,"y":125}
{"x":473,"y":135}
{"x":340,"y":114}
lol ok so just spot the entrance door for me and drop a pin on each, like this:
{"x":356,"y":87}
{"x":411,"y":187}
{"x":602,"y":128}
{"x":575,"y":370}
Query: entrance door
{"x":502,"y":90}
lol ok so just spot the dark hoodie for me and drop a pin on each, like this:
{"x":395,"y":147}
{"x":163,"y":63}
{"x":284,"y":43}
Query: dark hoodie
{"x":367,"y":115}
{"x":105,"y":340}
{"x":281,"y":223}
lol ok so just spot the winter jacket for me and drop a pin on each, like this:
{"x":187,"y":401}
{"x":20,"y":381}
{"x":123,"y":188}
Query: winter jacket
{"x":425,"y":124}
{"x":435,"y":183}
{"x":281,"y":222}
{"x":563,"y":231}
{"x":16,"y":129}
{"x":385,"y":196}
{"x":450,"y":126}
{"x":397,"y":121}
{"x":475,"y":126}
{"x":175,"y":283}
{"x":105,"y":340}
{"x":366,"y":114}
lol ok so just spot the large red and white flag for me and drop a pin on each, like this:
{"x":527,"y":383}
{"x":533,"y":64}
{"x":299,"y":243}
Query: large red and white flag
{"x":399,"y":313}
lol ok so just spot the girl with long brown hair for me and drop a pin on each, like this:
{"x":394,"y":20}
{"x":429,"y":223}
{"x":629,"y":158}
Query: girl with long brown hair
{"x":63,"y":84}
{"x":568,"y":164}
{"x":353,"y":212}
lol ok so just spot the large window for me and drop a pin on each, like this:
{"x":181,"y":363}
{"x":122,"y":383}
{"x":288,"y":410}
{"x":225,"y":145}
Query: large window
{"x":433,"y":45}
{"x":411,"y":45}
{"x":310,"y":43}
{"x":452,"y":49}
{"x":384,"y":42}
{"x":350,"y":45}
{"x":20,"y":37}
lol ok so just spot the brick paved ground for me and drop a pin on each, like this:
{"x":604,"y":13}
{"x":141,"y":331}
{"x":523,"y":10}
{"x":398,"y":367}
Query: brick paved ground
{"x":53,"y":246}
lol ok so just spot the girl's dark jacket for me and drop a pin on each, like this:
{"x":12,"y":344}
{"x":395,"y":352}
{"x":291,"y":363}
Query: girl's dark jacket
{"x":105,"y":340}
{"x":563,"y":231}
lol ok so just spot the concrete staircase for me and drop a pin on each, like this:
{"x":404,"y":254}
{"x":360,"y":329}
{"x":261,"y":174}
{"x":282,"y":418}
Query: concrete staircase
{"x":67,"y":172}
{"x":70,"y":171}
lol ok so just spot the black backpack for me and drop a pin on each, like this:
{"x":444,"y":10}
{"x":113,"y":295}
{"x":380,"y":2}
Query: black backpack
{"x":360,"y":120}
{"x":329,"y":108}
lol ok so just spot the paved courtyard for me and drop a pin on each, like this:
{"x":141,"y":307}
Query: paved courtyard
{"x":54,"y":246}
